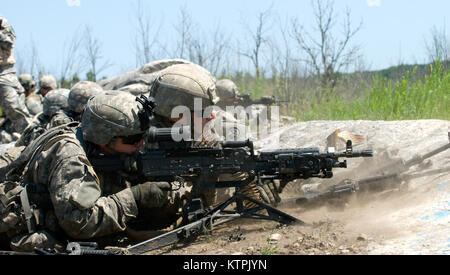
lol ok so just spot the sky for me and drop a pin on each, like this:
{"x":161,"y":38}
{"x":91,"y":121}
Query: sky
{"x":393,"y":31}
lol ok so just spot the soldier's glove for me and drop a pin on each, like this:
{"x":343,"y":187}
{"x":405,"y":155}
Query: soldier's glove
{"x":151,"y":194}
{"x":269,"y":191}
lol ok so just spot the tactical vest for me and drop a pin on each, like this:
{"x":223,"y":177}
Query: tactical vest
{"x":23,"y":204}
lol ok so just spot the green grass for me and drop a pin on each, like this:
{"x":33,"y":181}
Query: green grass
{"x":419,"y":92}
{"x":407,"y":99}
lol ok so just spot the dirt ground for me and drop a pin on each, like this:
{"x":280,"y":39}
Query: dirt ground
{"x":411,"y":220}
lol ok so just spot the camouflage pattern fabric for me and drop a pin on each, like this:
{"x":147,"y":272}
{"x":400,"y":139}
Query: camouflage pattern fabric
{"x":27,"y":82}
{"x":52,"y":116}
{"x":79,"y":204}
{"x":55,"y":100}
{"x":136,"y":89}
{"x":229,"y":127}
{"x":12,"y":99}
{"x":7,"y":41}
{"x":140,"y":75}
{"x":10,"y":155}
{"x":47,"y":82}
{"x":80,"y":94}
{"x":34,"y":104}
{"x":36,"y":127}
{"x":58,"y":119}
{"x":226,"y":88}
{"x":180,"y":85}
{"x":102,"y":121}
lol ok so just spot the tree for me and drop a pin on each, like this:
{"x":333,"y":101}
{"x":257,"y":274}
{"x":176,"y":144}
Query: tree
{"x":438,"y":47}
{"x":184,"y":30}
{"x":259,"y":38}
{"x":209,"y":50}
{"x":145,"y":38}
{"x":93,"y":54}
{"x":70,"y":61}
{"x":326,"y":54}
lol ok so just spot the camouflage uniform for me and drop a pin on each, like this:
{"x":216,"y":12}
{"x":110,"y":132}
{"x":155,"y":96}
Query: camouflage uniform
{"x":180,"y":85}
{"x":81,"y":93}
{"x":226,"y":89}
{"x":83,"y":204}
{"x":46,"y":84}
{"x":12,"y":97}
{"x":32,"y":101}
{"x":52,"y":116}
{"x":140,"y":80}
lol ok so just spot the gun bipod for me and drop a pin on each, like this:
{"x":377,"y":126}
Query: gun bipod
{"x":215,"y":217}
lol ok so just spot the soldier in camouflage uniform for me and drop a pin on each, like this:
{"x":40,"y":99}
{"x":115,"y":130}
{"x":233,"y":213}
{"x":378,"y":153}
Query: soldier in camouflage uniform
{"x":234,"y":128}
{"x":228,"y":92}
{"x":60,"y":109}
{"x":12,"y":97}
{"x":82,"y":204}
{"x":54,"y":114}
{"x":55,"y":102}
{"x":46,"y":84}
{"x":181,"y":85}
{"x":237,"y":129}
{"x":33,"y":101}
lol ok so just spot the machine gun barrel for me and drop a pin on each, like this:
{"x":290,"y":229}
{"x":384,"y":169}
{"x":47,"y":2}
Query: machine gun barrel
{"x":402,"y":166}
{"x":246,"y":100}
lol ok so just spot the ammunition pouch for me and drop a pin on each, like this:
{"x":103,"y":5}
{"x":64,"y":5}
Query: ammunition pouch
{"x":19,"y":212}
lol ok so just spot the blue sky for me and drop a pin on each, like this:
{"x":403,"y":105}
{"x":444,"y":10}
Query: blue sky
{"x":393,"y":30}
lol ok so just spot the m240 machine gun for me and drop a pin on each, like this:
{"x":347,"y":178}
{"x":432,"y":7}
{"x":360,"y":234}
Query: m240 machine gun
{"x":181,"y":160}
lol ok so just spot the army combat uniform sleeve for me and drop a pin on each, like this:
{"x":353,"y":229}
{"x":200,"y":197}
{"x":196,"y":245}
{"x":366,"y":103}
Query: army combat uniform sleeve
{"x":12,"y":97}
{"x":75,"y":192}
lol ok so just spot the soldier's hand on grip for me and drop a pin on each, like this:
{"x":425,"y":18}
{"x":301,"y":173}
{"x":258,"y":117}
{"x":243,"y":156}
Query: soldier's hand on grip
{"x":151,"y":194}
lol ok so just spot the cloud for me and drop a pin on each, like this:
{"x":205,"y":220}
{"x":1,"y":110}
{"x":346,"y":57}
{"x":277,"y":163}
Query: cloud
{"x":73,"y":3}
{"x":373,"y":3}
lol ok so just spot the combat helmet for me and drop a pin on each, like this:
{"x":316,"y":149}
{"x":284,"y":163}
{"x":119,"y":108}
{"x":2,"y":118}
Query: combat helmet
{"x":27,"y":81}
{"x":55,"y":100}
{"x":179,"y":85}
{"x":80,"y":94}
{"x":47,"y":82}
{"x":226,"y":89}
{"x":111,"y":114}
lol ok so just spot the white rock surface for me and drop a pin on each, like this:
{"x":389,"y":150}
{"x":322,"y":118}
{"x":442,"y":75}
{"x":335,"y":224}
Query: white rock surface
{"x":416,"y":222}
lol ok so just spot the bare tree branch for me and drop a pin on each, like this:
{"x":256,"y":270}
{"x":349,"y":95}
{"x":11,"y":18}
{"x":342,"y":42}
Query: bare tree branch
{"x":259,"y":39}
{"x":93,"y":54}
{"x":71,"y":61}
{"x":438,"y":47}
{"x":184,"y":30}
{"x":209,"y":50}
{"x":327,"y":54}
{"x":145,"y":39}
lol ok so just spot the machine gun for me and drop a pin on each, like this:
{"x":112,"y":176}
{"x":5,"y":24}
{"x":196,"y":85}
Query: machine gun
{"x":386,"y":180}
{"x":72,"y":248}
{"x":245,"y":100}
{"x":181,"y":161}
